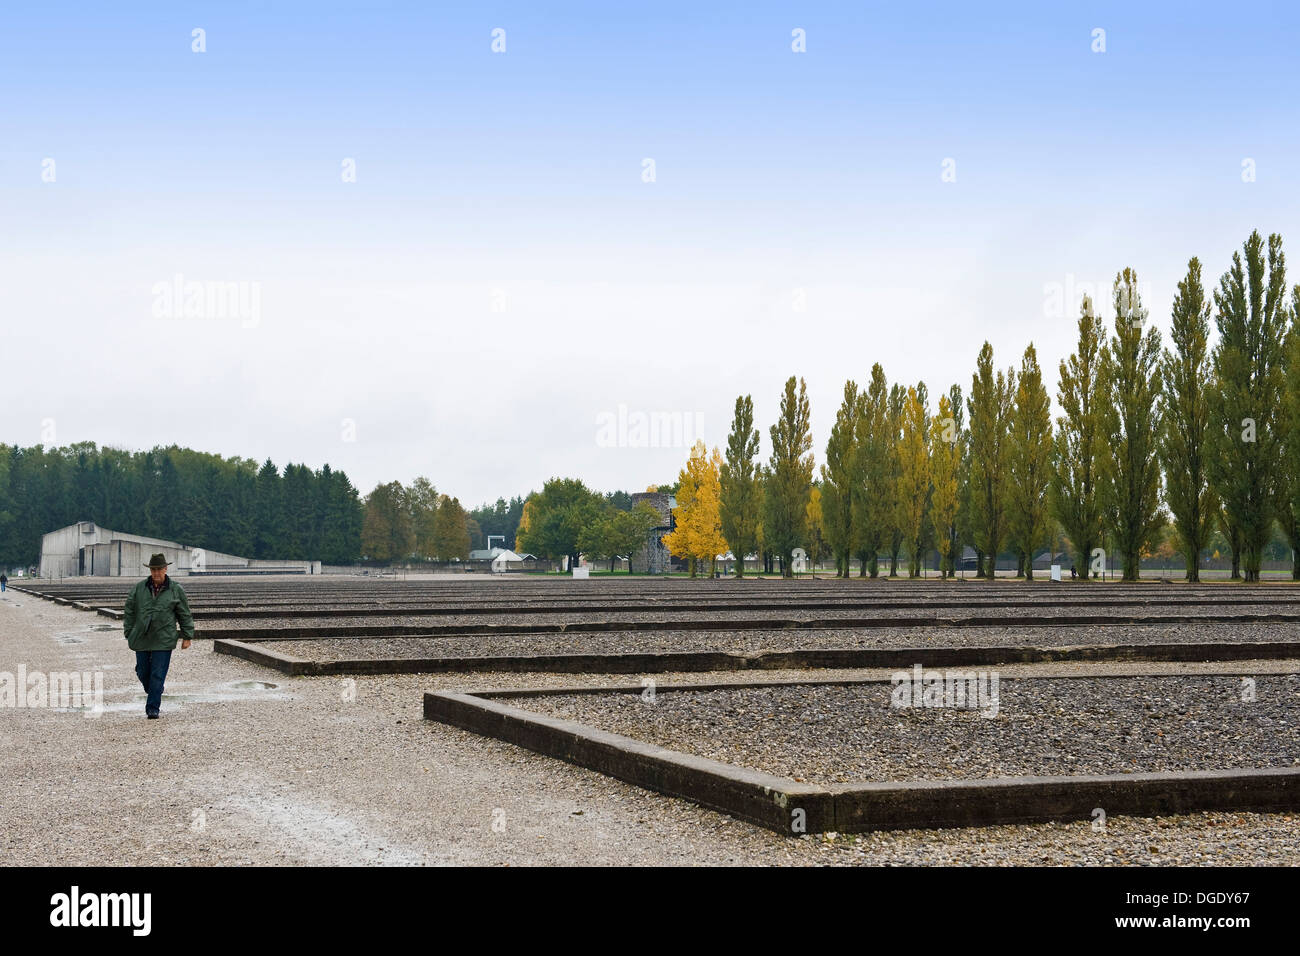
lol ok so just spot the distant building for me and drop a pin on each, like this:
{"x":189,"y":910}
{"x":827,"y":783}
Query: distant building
{"x":85,"y":548}
{"x":653,"y":557}
{"x":501,"y":559}
{"x":1044,"y":560}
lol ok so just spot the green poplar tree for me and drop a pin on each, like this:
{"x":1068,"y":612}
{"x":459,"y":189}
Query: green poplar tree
{"x":790,"y":476}
{"x":1029,"y":462}
{"x":739,"y":489}
{"x":839,"y":476}
{"x":1131,"y":423}
{"x":1245,"y":409}
{"x":895,"y":507}
{"x":1289,"y":504}
{"x":1185,"y":408}
{"x":870,"y":504}
{"x":959,"y":532}
{"x":1077,"y":447}
{"x":989,"y":408}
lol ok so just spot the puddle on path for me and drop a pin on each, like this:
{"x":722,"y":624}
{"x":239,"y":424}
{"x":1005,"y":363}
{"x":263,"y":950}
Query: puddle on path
{"x":246,"y":690}
{"x":80,"y":636}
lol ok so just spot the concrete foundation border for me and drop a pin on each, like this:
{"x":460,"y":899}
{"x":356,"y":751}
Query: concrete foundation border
{"x":293,"y":666}
{"x":789,"y":807}
{"x":655,"y":662}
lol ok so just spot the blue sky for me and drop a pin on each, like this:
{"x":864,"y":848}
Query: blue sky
{"x":499,"y":275}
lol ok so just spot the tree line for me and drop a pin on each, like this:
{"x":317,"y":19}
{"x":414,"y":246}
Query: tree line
{"x":1190,"y":441}
{"x":235,"y":506}
{"x":224,"y":504}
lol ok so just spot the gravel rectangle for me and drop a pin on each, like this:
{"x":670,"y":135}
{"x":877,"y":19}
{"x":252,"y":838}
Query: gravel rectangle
{"x":828,"y":734}
{"x":634,"y":642}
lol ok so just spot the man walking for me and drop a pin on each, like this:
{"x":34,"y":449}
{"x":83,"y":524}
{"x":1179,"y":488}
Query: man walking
{"x":154,"y":609}
{"x":4,"y":581}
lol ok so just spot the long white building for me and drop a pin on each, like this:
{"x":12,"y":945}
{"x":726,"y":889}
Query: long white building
{"x":85,"y":548}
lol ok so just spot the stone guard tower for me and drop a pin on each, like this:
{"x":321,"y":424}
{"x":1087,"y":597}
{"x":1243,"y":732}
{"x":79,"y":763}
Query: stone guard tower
{"x":653,"y":557}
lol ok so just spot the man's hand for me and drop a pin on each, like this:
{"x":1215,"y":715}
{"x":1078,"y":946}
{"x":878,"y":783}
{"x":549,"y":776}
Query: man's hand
{"x":185,"y":644}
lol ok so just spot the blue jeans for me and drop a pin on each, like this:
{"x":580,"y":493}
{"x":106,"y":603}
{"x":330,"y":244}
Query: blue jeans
{"x":151,"y":668}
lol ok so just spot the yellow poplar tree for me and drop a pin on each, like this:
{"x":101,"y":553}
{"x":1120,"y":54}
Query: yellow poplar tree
{"x":698,"y":535}
{"x":707,"y":539}
{"x":525,"y":519}
{"x":914,"y":477}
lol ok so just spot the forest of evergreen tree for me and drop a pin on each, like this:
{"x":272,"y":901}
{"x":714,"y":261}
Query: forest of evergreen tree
{"x":224,"y":504}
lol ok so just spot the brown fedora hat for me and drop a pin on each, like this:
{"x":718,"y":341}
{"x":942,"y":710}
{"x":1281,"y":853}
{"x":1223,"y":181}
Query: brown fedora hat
{"x":159,"y":560}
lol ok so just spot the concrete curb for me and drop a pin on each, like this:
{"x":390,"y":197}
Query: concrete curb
{"x":759,"y":798}
{"x":243,"y":612}
{"x":655,"y":662}
{"x":491,"y":693}
{"x":788,"y":807}
{"x":68,"y":602}
{"x":750,"y":624}
{"x":292,"y":666}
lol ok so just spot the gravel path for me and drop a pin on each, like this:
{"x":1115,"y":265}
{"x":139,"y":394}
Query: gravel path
{"x":829,"y":734}
{"x":631,"y":642}
{"x":301,"y":775}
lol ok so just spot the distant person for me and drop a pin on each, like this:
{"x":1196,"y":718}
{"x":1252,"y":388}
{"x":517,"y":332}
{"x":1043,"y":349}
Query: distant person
{"x":4,"y":582}
{"x":1073,"y":573}
{"x":155,"y":608}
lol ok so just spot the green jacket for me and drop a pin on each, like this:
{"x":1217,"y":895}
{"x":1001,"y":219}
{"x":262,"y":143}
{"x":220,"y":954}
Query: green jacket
{"x":150,"y":622}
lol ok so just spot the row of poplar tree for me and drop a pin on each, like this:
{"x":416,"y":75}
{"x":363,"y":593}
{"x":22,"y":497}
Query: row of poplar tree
{"x":1192,"y":438}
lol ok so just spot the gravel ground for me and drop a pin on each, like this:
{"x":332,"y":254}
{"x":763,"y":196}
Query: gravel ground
{"x":326,"y":608}
{"x":321,"y":771}
{"x":1031,"y":616}
{"x":631,"y":642}
{"x":828,"y":734}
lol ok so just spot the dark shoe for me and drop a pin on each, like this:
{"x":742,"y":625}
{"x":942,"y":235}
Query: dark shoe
{"x":152,"y":716}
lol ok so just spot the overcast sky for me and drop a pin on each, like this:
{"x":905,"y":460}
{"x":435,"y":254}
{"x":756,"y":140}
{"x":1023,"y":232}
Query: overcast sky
{"x":501,"y":274}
